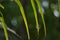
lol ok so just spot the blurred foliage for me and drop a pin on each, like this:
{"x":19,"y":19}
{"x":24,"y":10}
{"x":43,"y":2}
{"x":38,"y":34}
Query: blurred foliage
{"x":14,"y":20}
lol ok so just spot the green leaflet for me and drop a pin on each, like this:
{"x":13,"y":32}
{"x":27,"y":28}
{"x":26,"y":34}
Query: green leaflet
{"x":40,"y":8}
{"x":3,"y":24}
{"x":24,"y":17}
{"x":1,"y":6}
{"x":35,"y":13}
{"x":4,"y":27}
{"x":12,"y":31}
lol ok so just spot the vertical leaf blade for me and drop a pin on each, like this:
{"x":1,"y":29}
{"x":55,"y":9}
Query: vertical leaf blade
{"x":24,"y":17}
{"x":3,"y":24}
{"x":41,"y":12}
{"x":35,"y":14}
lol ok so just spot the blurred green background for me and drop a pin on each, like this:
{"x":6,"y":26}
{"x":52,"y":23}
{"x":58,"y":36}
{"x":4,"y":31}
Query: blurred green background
{"x":14,"y":20}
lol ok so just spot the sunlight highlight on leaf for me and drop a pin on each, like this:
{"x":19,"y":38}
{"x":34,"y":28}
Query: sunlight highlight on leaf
{"x":24,"y":17}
